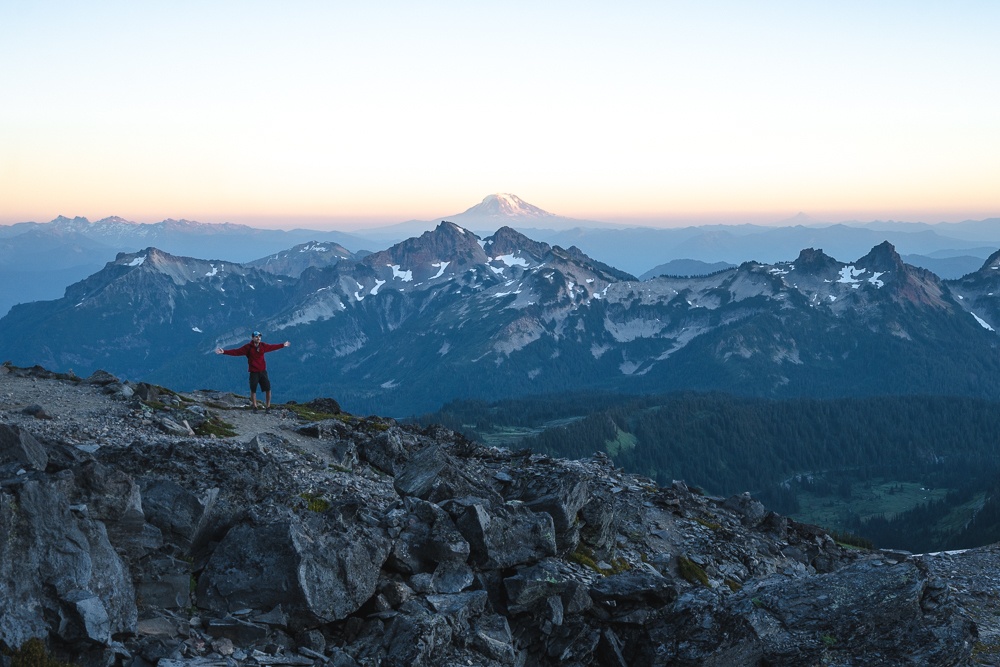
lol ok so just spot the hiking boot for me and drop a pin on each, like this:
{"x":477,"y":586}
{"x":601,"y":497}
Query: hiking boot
{"x":254,"y":408}
{"x":267,"y":410}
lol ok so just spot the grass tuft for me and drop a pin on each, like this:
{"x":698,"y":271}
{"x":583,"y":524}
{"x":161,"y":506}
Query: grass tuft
{"x":217,"y":427}
{"x":34,"y":654}
{"x":691,"y":571}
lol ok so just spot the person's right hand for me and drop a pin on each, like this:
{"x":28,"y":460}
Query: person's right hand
{"x":218,"y":350}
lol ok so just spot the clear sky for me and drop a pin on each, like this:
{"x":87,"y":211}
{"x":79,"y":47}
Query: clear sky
{"x":335,"y":114}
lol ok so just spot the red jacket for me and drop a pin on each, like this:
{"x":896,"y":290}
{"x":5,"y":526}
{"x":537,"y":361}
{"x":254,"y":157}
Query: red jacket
{"x":254,"y":354}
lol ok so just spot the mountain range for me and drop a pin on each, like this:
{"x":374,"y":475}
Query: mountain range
{"x":450,"y":314}
{"x":39,"y":260}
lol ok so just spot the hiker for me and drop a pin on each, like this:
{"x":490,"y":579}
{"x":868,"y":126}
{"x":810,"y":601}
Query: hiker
{"x":254,"y":351}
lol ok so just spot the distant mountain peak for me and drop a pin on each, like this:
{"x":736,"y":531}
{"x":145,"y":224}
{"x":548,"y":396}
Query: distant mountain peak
{"x":63,"y":220}
{"x":446,"y":242}
{"x":882,"y":257}
{"x":799,"y":218}
{"x":814,"y":260}
{"x":506,"y":240}
{"x":505,"y":205}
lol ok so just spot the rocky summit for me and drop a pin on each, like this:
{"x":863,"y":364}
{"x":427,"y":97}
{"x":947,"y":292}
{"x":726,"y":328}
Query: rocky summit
{"x":146,"y":527}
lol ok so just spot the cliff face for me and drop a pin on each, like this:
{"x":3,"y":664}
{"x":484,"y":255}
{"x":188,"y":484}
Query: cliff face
{"x":130,"y":540}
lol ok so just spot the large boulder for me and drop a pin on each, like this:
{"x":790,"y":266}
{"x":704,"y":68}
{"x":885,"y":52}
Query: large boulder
{"x":175,"y":511}
{"x":55,"y":563}
{"x":561,"y":494}
{"x":502,"y":536}
{"x":435,"y":475}
{"x":427,"y":536}
{"x":19,"y":447}
{"x":318,"y":569}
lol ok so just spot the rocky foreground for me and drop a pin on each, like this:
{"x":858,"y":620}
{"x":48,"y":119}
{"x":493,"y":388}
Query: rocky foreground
{"x":143,"y":527}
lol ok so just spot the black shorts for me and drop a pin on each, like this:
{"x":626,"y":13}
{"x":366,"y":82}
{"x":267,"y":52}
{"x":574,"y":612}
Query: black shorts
{"x":261,"y":378}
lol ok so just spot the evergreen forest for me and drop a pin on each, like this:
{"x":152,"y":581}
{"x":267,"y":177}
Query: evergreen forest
{"x":918,"y":473}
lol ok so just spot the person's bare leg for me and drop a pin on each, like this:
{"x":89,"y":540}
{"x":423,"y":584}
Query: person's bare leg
{"x":253,"y":399}
{"x":267,"y":399}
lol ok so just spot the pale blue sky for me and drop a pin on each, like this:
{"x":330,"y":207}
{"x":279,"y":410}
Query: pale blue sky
{"x":334,"y":114}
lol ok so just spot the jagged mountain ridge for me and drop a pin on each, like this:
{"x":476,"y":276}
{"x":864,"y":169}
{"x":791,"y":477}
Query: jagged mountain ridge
{"x":295,"y":260}
{"x":633,"y":250}
{"x":39,"y":260}
{"x":448,"y":315}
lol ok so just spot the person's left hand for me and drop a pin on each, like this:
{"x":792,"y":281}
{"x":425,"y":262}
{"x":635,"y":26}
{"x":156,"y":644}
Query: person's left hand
{"x":286,"y":343}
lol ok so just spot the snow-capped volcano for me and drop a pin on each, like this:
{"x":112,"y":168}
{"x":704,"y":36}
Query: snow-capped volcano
{"x":505,"y":209}
{"x":504,"y":205}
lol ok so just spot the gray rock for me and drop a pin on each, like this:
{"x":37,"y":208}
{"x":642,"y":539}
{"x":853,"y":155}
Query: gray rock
{"x":434,"y":475}
{"x":36,"y":411}
{"x":101,"y":378}
{"x":428,"y":536}
{"x":84,"y":617}
{"x":20,"y":447}
{"x":147,"y":392}
{"x":643,"y":586}
{"x":318,"y":572}
{"x":163,"y":582}
{"x":459,"y":608}
{"x":505,"y":535}
{"x":561,"y":495}
{"x":599,"y":525}
{"x":417,"y":639}
{"x":159,"y":627}
{"x":39,"y":582}
{"x":752,"y":512}
{"x":839,"y":615}
{"x":170,"y":426}
{"x":333,"y":429}
{"x":385,"y":451}
{"x":491,"y":636}
{"x":421,"y":476}
{"x":236,"y":630}
{"x":175,"y":511}
{"x":115,"y":499}
{"x":395,"y":593}
{"x":452,"y":577}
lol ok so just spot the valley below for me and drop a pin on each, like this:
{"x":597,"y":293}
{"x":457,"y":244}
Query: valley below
{"x":917,"y":473}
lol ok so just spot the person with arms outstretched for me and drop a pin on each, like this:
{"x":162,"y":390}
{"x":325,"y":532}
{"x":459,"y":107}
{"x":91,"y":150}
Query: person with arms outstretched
{"x":254,"y":351}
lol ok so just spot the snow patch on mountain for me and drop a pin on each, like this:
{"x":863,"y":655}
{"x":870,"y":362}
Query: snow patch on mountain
{"x":405,"y":276}
{"x":316,"y":310}
{"x":982,"y":322}
{"x":511,"y":260}
{"x":440,"y":266}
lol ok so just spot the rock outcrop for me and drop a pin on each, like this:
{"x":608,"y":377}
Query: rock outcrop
{"x":361,"y":541}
